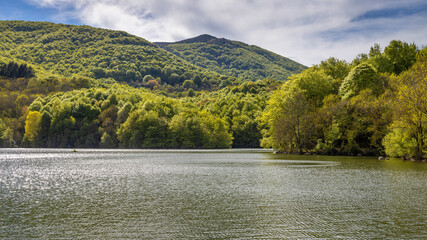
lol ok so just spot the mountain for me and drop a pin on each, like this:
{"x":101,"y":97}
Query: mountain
{"x":58,"y":88}
{"x":67,"y":50}
{"x":233,"y":58}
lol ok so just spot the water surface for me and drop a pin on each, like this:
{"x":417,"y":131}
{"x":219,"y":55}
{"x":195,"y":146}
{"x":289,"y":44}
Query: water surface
{"x":234,"y":194}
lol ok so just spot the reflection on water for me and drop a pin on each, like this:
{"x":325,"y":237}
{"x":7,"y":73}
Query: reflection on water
{"x":56,"y":193}
{"x":301,"y":163}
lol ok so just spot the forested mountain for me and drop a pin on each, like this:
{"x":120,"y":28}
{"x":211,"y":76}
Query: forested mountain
{"x":233,"y":58}
{"x":68,"y":50}
{"x":74,"y":86}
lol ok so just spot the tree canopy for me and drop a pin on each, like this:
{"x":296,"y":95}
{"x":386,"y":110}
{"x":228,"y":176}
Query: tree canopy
{"x":376,"y":105}
{"x":77,"y":86}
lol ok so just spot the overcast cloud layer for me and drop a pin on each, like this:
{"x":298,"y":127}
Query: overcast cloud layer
{"x":307,"y":31}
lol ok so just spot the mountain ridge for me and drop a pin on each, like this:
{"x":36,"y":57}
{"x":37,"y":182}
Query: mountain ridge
{"x":204,"y":62}
{"x":200,"y":38}
{"x":68,"y":50}
{"x":233,"y":58}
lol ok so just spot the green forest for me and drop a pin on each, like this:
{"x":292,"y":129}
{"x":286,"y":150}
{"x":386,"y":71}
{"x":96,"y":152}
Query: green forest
{"x":83,"y":87}
{"x":233,"y":58}
{"x":375,"y":105}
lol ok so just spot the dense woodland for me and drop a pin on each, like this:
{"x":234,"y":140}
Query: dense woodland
{"x":374,"y":105}
{"x":67,"y":50}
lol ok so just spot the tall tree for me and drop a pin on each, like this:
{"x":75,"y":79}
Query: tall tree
{"x":32,"y":127}
{"x":401,"y":54}
{"x":290,"y":122}
{"x":361,"y":77}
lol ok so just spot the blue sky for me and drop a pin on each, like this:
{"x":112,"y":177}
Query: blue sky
{"x":307,"y":31}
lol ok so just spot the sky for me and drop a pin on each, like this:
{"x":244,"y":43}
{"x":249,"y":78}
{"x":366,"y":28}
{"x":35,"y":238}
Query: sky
{"x":307,"y":31}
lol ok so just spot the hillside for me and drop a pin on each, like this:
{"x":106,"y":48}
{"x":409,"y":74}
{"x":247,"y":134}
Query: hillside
{"x":58,"y":88}
{"x":67,"y":50}
{"x":233,"y":58}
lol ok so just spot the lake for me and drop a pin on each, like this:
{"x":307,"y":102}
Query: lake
{"x":208,"y":194}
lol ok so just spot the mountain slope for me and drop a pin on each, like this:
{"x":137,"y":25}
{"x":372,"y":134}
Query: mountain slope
{"x":68,"y":50}
{"x":233,"y":58}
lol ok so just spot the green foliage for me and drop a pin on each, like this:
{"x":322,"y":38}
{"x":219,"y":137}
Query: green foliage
{"x":144,"y":130}
{"x":400,"y":142}
{"x":234,"y":58}
{"x":120,"y":117}
{"x":15,"y":70}
{"x":194,"y":129}
{"x":107,"y":141}
{"x":241,"y":106}
{"x":20,"y":95}
{"x":289,"y":121}
{"x":32,"y":127}
{"x":58,"y":88}
{"x":337,"y":69}
{"x":401,"y":54}
{"x":191,"y":93}
{"x":188,"y":84}
{"x":7,"y":139}
{"x":68,"y":50}
{"x":361,"y":77}
{"x":377,"y":113}
{"x":314,"y":83}
{"x":3,"y":129}
{"x":410,"y":113}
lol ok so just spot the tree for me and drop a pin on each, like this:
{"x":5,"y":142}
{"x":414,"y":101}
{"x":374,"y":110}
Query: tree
{"x":7,"y":138}
{"x":375,"y":50}
{"x":144,"y":129}
{"x":245,"y":131}
{"x":123,"y":113}
{"x":410,"y":118}
{"x":187,"y":130}
{"x":314,"y":83}
{"x":337,"y":69}
{"x":147,"y":78}
{"x":401,"y":54}
{"x":107,"y":141}
{"x":361,"y":77}
{"x":380,"y":61}
{"x":44,"y":128}
{"x":191,"y":93}
{"x":15,"y":70}
{"x":193,"y":129}
{"x":289,"y":121}
{"x":187,"y":84}
{"x":197,"y":81}
{"x":2,"y":131}
{"x":152,"y":83}
{"x":32,"y":127}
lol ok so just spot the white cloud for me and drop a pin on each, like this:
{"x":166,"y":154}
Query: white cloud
{"x":305,"y":30}
{"x":116,"y":17}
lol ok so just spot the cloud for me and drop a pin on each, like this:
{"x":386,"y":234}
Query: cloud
{"x":120,"y":18}
{"x":397,"y":12}
{"x":305,"y":30}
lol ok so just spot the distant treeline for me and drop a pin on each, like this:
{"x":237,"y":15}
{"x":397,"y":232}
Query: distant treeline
{"x":80,"y":112}
{"x":15,"y":70}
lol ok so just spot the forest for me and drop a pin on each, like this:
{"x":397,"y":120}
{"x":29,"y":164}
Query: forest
{"x":81,"y":87}
{"x":68,"y":50}
{"x":375,"y":105}
{"x":233,"y":58}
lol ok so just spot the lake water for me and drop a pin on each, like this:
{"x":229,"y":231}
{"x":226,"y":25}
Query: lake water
{"x":232,"y":194}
